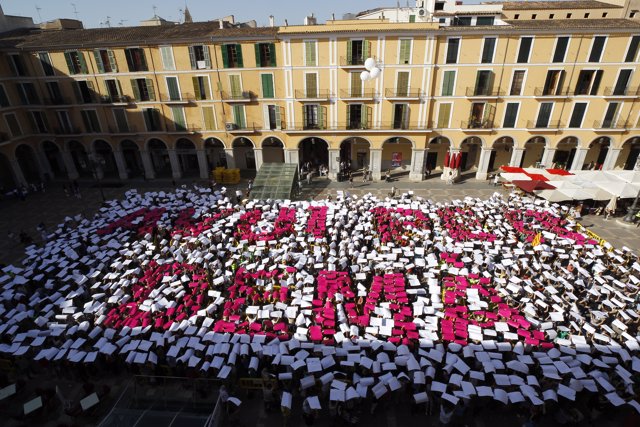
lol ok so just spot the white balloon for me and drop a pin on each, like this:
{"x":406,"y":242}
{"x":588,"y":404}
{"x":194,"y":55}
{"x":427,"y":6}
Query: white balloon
{"x":375,"y":72}
{"x":369,"y":63}
{"x":364,"y":76}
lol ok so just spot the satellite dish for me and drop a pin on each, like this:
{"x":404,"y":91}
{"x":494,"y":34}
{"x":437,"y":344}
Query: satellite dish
{"x":364,"y":76}
{"x":369,"y":63}
{"x":375,"y":72}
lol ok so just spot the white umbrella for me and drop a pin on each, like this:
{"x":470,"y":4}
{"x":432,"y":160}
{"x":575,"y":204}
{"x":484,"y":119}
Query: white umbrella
{"x":626,"y":176}
{"x":576,"y":193}
{"x":612,"y":205}
{"x":620,"y":189}
{"x":552,"y":195}
{"x":515,"y":176}
{"x":598,"y":193}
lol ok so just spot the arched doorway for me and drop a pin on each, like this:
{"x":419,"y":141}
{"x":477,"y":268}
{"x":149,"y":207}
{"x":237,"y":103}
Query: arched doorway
{"x":80,"y":158}
{"x":533,"y":152}
{"x":54,"y":156}
{"x":188,"y":158}
{"x":272,"y":150}
{"x":565,"y":153}
{"x":354,"y":153}
{"x":314,"y":151}
{"x":597,"y":153}
{"x":105,"y":158}
{"x":470,"y":149}
{"x":7,"y":180}
{"x":216,"y":156}
{"x":243,"y":153}
{"x":160,"y":158}
{"x":132,"y":158}
{"x":28,"y":163}
{"x":396,"y":155}
{"x":438,"y":148}
{"x":629,"y":157}
{"x":501,"y":153}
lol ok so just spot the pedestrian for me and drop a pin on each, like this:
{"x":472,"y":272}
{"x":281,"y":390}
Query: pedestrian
{"x":249,"y":187}
{"x":308,"y":414}
{"x":637,"y":219}
{"x":351,"y":180}
{"x":238,"y":196}
{"x":365,"y":174}
{"x":309,"y":177}
{"x":387,"y":176}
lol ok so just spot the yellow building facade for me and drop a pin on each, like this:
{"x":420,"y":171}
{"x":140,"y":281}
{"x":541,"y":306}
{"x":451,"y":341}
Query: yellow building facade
{"x":177,"y":101}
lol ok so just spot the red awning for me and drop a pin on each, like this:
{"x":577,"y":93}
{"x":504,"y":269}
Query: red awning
{"x":559,"y":172}
{"x":537,"y":177}
{"x":530,"y":186}
{"x":511,"y":169}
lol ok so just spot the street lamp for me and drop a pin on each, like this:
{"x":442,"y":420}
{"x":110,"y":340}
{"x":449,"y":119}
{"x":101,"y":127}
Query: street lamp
{"x":631,"y":212}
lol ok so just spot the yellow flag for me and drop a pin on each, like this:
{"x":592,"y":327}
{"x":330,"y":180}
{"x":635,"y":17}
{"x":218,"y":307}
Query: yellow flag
{"x":537,"y":240}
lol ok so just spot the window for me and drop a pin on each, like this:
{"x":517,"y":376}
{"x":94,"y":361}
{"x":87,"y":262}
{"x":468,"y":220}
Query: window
{"x":439,"y":5}
{"x":516,"y":83}
{"x":356,"y":86}
{"x":553,"y":83}
{"x":448,"y":80}
{"x":201,"y":87}
{"x":357,"y":51}
{"x":401,"y":116}
{"x":524,"y":50}
{"x":136,"y":60}
{"x":516,"y":16}
{"x":199,"y":57}
{"x":28,"y":94}
{"x":405,"y":52}
{"x":551,"y":16}
{"x":17,"y":65}
{"x":105,"y":61}
{"x":314,"y":117}
{"x":622,"y":82}
{"x":267,"y":86}
{"x":120,"y":116}
{"x":561,"y":49}
{"x":358,"y":116}
{"x":452,"y":51}
{"x":13,"y":124}
{"x":633,"y":49}
{"x":610,"y":115}
{"x":462,"y":21}
{"x":173,"y":88}
{"x":597,"y":48}
{"x":45,"y":61}
{"x":143,"y":90}
{"x":152,"y":119}
{"x":64,"y":122}
{"x":84,"y":91}
{"x":568,"y":16}
{"x":310,"y":57}
{"x":534,"y":16}
{"x":39,"y":122}
{"x":484,"y":83}
{"x":179,"y":119}
{"x":604,"y":14}
{"x":487,"y":50}
{"x":232,"y":56}
{"x":544,"y":115}
{"x":586,"y":16}
{"x":90,"y":120}
{"x":402,"y":83}
{"x":511,"y":114}
{"x":485,"y":20}
{"x":114,"y":91}
{"x":4,"y":99}
{"x":579,"y":108}
{"x":265,"y":54}
{"x":166,"y":53}
{"x":632,"y":15}
{"x":75,"y":62}
{"x":588,"y":82}
{"x":444,"y":115}
{"x":208,"y":118}
{"x":239,"y":117}
{"x":235,"y":85}
{"x":311,"y":85}
{"x":481,"y":116}
{"x":412,"y":18}
{"x":273,"y":117}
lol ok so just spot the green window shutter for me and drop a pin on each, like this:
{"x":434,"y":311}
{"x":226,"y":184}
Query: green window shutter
{"x":267,"y":86}
{"x":196,"y":88}
{"x":405,"y":51}
{"x":167,"y":58}
{"x":150,"y":89}
{"x":172,"y":86}
{"x":367,"y":117}
{"x":135,"y":89}
{"x":349,"y":52}
{"x":143,"y":60}
{"x":348,"y":115}
{"x":205,"y":88}
{"x":239,"y":55}
{"x":447,"y":84}
{"x":272,"y":54}
{"x":322,"y":117}
{"x":207,"y":115}
{"x":311,"y":81}
{"x":366,"y":50}
{"x":356,"y":85}
{"x":489,"y":113}
{"x":476,"y":88}
{"x":444,"y":112}
{"x":256,"y":47}
{"x":178,"y":118}
{"x":207,"y":56}
{"x":238,"y":115}
{"x":310,"y":54}
{"x":225,"y":55}
{"x":99,"y":64}
{"x":192,"y":58}
{"x":129,"y":57}
{"x":278,"y":117}
{"x":119,"y":87}
{"x":403,"y":83}
{"x":412,"y":18}
{"x":234,"y":83}
{"x":69,"y":59}
{"x":83,"y":64}
{"x":112,"y":61}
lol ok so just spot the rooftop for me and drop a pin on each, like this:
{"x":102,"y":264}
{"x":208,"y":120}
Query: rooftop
{"x":566,"y":4}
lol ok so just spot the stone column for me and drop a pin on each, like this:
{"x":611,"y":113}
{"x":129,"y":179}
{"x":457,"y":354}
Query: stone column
{"x":257,"y":153}
{"x":417,"y":164}
{"x":334,"y":163}
{"x":376,"y":163}
{"x":611,"y":159}
{"x":149,"y":172}
{"x":121,"y":164}
{"x":231,"y":161}
{"x":547,"y":157}
{"x":292,"y":156}
{"x":483,"y":163}
{"x":578,"y":159}
{"x":516,"y":157}
{"x":17,"y":172}
{"x":45,"y":166}
{"x":70,"y":166}
{"x":96,"y":168}
{"x":202,"y":164}
{"x":176,"y":170}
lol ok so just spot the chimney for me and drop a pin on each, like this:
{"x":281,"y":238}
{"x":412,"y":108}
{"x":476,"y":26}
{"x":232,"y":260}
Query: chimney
{"x":286,"y":23}
{"x":221,"y":22}
{"x":333,"y":16}
{"x":272,"y":22}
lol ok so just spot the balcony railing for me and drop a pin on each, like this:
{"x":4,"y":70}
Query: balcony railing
{"x":128,"y":131}
{"x":61,"y":100}
{"x":186,"y":129}
{"x":477,"y":124}
{"x":69,"y":131}
{"x":360,"y":94}
{"x":182,"y":98}
{"x":403,"y":92}
{"x":318,"y":94}
{"x":483,"y":92}
{"x":552,"y":124}
{"x":539,"y":91}
{"x":116,"y":99}
{"x":610,"y":124}
{"x":352,"y":61}
{"x":627,"y":91}
{"x":401,"y":125}
{"x":243,"y":96}
{"x":247,"y":127}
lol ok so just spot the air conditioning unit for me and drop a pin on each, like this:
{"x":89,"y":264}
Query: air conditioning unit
{"x":230,"y":126}
{"x":246,"y":94}
{"x":422,"y":12}
{"x":202,"y":65}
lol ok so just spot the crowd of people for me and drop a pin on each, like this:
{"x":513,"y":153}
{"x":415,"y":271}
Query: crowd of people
{"x":341,"y":302}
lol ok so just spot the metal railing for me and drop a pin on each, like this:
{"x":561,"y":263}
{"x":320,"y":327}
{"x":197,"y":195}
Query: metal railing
{"x":363,"y":93}
{"x":401,"y":125}
{"x":182,"y":97}
{"x":402,"y":92}
{"x":60,"y":100}
{"x":317,"y":94}
{"x":627,"y":91}
{"x":352,"y":61}
{"x":246,"y":95}
{"x":477,"y":124}
{"x":551,"y":124}
{"x":247,"y":127}
{"x":483,"y":91}
{"x":610,"y":124}
{"x":70,"y":131}
{"x":539,"y":91}
{"x":116,"y":99}
{"x":128,"y":130}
